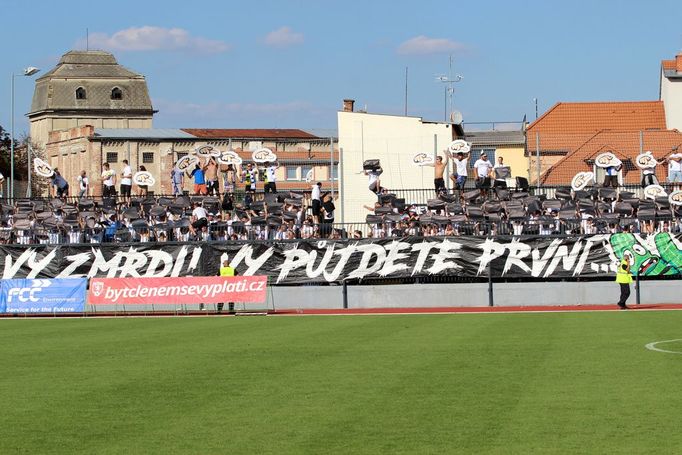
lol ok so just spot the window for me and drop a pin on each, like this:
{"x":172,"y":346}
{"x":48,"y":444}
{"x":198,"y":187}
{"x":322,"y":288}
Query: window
{"x":112,"y":157}
{"x":116,"y":94}
{"x":147,"y":157}
{"x":181,"y":155}
{"x":600,"y":173}
{"x":475,"y":154}
{"x":80,"y":93}
{"x":304,"y":172}
{"x":335,"y":172}
{"x":292,"y":173}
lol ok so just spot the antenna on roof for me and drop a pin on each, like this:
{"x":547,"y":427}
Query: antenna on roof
{"x":406,"y":91}
{"x":87,"y":40}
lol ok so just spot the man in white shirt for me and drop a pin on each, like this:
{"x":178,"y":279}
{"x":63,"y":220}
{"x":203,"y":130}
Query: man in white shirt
{"x":374,"y":182}
{"x":482,"y":167}
{"x":83,"y":185}
{"x":459,"y":178}
{"x":317,"y":201}
{"x":126,"y":181}
{"x":199,"y":218}
{"x":108,"y":181}
{"x":675,"y":168}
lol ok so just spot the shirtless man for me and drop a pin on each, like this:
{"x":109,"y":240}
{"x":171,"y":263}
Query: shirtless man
{"x":438,"y":169}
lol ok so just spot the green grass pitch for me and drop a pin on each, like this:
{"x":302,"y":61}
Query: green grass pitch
{"x":458,"y":383}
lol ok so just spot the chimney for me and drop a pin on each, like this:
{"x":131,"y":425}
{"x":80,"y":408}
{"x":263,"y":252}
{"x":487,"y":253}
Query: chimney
{"x":348,"y":104}
{"x":678,"y":62}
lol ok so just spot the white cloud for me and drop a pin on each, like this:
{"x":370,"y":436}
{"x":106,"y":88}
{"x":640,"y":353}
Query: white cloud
{"x":283,"y":37}
{"x":424,"y":45}
{"x":150,"y":38}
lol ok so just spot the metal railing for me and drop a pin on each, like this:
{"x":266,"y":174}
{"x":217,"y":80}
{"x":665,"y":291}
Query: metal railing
{"x":420,"y":196}
{"x":116,"y":232}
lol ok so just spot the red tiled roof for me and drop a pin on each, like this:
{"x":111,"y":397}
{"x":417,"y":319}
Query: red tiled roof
{"x":624,"y":144}
{"x":596,"y":116}
{"x":668,"y":64}
{"x":566,"y":126}
{"x":674,"y":65}
{"x":221,"y":133}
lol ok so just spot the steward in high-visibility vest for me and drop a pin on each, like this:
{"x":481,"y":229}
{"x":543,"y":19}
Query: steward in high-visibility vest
{"x":250,"y":177}
{"x":623,"y":278}
{"x":270,"y":177}
{"x":226,"y":270}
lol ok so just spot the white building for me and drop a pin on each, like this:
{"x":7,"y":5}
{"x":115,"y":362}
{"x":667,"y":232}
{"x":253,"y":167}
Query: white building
{"x":671,"y":91}
{"x":394,"y":140}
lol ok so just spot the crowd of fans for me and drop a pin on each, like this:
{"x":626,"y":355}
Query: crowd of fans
{"x":278,"y":216}
{"x":163,"y":219}
{"x":503,"y":212}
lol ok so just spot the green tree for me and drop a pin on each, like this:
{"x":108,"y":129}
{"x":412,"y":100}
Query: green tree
{"x":5,"y":146}
{"x":39,"y":185}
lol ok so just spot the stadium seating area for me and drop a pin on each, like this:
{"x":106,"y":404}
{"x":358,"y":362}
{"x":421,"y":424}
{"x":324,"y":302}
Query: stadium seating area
{"x":288,"y":216}
{"x":505,"y":212}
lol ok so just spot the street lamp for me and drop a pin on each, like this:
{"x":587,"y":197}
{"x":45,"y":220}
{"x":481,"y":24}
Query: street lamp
{"x":30,"y":71}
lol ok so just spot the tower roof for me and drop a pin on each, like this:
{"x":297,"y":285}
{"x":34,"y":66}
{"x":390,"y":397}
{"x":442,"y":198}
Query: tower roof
{"x":97,"y":73}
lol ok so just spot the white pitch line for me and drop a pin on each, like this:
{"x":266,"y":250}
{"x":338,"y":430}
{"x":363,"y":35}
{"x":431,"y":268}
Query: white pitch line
{"x":652,"y":346}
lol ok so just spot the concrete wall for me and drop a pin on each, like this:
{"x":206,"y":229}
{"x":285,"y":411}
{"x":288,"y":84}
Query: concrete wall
{"x":671,"y":95}
{"x":514,"y":157}
{"x":73,"y":150}
{"x":392,"y":139}
{"x":41,"y":126}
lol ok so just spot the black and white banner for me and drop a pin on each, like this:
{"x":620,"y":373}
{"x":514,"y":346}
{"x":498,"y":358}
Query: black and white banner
{"x":336,"y":261}
{"x":101,"y":261}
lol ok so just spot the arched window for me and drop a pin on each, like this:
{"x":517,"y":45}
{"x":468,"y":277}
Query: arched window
{"x":80,"y":93}
{"x":116,"y":94}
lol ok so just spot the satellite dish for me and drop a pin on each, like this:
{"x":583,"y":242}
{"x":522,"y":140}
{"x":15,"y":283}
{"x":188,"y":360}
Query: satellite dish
{"x":456,"y":117}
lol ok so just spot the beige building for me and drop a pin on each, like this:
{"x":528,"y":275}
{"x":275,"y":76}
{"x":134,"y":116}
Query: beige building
{"x":509,"y":143}
{"x":671,"y":92}
{"x":88,"y":88}
{"x":87,"y":148}
{"x":392,"y":139}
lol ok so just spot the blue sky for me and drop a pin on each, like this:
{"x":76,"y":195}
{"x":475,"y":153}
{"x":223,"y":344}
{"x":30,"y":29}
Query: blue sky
{"x":270,"y":64}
